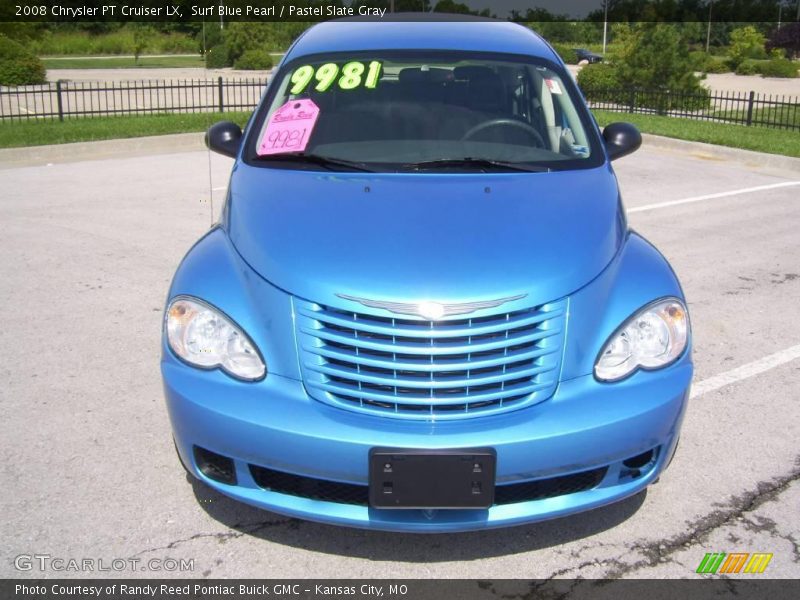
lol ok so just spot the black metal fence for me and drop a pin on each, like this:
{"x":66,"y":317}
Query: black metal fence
{"x":742,"y":108}
{"x":67,"y":99}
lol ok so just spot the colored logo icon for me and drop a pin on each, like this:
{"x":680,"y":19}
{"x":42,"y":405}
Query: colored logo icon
{"x":735,"y":562}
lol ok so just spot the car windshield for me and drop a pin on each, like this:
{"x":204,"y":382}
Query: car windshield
{"x":383,"y":111}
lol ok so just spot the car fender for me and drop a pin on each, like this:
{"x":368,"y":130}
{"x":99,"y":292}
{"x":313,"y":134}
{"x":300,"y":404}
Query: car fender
{"x":213,"y":271}
{"x":638,"y":275}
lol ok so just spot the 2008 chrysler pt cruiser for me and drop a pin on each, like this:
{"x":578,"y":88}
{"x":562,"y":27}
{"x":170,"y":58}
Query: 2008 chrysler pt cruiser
{"x":422,"y":308}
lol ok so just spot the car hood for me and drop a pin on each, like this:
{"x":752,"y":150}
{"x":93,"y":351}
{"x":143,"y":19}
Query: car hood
{"x":441,"y":237}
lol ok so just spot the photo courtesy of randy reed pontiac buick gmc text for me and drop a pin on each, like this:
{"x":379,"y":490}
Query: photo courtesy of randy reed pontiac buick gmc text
{"x":422,"y":308}
{"x":194,"y":589}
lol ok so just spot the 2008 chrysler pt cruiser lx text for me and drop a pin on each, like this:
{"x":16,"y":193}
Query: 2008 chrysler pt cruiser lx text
{"x":422,"y":308}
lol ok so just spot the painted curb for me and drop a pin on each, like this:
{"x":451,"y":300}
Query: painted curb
{"x":748,"y":158}
{"x":105,"y":149}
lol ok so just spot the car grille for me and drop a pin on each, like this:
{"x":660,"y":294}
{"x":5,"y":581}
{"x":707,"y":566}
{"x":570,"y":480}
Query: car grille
{"x":420,"y":369}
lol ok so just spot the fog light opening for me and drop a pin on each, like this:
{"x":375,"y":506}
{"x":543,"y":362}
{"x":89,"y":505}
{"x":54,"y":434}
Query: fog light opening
{"x":638,"y":465}
{"x":638,"y":461}
{"x":215,"y":466}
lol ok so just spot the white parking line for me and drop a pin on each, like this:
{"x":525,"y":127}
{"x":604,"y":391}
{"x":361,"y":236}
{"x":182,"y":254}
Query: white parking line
{"x":758,"y":188}
{"x":745,"y":371}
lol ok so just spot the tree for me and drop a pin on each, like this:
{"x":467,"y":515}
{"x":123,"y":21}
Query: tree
{"x":746,"y":42}
{"x":18,"y":66}
{"x":787,"y":38}
{"x":260,"y":35}
{"x":652,"y":56}
{"x":142,"y":36}
{"x":450,"y":6}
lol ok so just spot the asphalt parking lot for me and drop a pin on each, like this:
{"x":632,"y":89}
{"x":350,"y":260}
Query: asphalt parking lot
{"x":88,"y":468}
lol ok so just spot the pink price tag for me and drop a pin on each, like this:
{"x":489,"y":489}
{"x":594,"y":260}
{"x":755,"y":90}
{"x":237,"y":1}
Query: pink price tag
{"x":289,"y":128}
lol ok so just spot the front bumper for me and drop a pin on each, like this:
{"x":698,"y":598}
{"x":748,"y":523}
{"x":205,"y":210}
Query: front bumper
{"x":585,"y":425}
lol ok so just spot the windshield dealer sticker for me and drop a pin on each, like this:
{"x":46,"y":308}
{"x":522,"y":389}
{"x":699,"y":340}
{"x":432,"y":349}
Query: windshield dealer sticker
{"x":289,"y":128}
{"x":553,"y":86}
{"x":349,"y":77}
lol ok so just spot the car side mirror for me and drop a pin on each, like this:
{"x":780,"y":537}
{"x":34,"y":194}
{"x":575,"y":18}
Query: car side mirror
{"x":224,"y":137}
{"x":621,"y":139}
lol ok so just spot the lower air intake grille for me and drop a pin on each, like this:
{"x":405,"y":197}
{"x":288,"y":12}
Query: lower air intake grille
{"x":548,"y":488}
{"x":308,"y":487}
{"x":349,"y":493}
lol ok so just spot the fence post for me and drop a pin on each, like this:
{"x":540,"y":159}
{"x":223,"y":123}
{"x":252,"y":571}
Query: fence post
{"x":221,"y":101}
{"x":632,"y":101}
{"x":58,"y":100}
{"x":750,"y":108}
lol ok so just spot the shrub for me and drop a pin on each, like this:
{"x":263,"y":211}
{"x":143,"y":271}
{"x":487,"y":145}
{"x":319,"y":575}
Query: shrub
{"x":747,"y":67}
{"x":566,"y":52}
{"x":707,"y":63}
{"x":253,"y":60}
{"x":18,"y":66}
{"x":718,"y":66}
{"x":240,"y":36}
{"x":218,"y":57}
{"x":600,"y":82}
{"x":746,"y":42}
{"x":778,"y":67}
{"x":599,"y":76}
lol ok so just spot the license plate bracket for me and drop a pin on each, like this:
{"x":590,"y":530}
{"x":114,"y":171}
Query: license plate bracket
{"x":432,"y":479}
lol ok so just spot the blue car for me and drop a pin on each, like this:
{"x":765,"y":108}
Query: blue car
{"x":422,"y":308}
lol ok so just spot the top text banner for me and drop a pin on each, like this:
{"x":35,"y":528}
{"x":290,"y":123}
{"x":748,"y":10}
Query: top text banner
{"x":184,"y":10}
{"x":221,"y":11}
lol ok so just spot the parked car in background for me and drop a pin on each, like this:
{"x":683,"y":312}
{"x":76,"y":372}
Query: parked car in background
{"x":588,"y":56}
{"x":422,"y":308}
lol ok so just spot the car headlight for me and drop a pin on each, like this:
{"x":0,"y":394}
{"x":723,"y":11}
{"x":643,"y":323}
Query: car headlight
{"x":652,"y":338}
{"x":203,"y":337}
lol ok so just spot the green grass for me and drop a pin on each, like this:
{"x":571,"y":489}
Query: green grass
{"x":784,"y":115}
{"x":760,"y":139}
{"x":124,"y":62}
{"x":40,"y":132}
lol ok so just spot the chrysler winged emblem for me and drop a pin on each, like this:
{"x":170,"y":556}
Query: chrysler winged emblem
{"x":429,"y":309}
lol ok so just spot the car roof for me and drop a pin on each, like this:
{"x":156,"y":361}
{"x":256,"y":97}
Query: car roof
{"x":421,"y":32}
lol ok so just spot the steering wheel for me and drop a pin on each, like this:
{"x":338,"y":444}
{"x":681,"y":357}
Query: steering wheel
{"x":505,"y":123}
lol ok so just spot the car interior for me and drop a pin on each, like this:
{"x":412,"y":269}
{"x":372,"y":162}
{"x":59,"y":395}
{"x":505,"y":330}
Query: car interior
{"x":508,"y":104}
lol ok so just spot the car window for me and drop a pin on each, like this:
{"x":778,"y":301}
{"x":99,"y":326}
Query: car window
{"x":395,"y":111}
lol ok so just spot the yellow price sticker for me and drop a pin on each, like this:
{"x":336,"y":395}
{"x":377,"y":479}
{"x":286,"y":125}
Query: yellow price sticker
{"x":352,"y":75}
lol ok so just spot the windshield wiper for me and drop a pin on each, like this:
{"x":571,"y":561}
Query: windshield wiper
{"x":317,"y":159}
{"x":482,"y":163}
